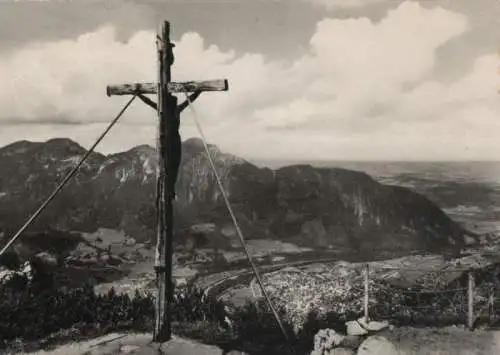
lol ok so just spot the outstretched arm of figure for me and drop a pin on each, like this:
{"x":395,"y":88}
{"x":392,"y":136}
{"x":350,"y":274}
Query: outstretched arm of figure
{"x":192,"y":97}
{"x":148,"y":101}
{"x":181,"y":107}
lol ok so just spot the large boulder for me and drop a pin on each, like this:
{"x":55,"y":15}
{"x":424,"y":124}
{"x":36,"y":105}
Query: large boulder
{"x":373,"y":326}
{"x":377,"y":345}
{"x":341,"y":351}
{"x":351,"y":341}
{"x":182,"y":346}
{"x":354,"y":328}
{"x":326,"y":340}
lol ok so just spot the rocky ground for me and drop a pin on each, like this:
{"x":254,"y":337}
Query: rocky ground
{"x":394,"y":341}
{"x":139,"y":344}
{"x":379,"y":338}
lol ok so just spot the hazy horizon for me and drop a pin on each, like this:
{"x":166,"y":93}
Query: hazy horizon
{"x":378,"y":80}
{"x":258,"y":161}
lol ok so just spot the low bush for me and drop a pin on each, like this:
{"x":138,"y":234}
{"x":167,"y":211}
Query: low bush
{"x":34,"y":313}
{"x":32,"y":310}
{"x":192,"y":304}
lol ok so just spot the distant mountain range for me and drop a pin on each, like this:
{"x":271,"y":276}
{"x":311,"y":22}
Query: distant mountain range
{"x":314,"y":207}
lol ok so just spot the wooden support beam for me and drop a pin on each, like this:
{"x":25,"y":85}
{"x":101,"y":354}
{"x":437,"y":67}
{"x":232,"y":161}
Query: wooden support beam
{"x":130,"y":89}
{"x":366,"y":300}
{"x":167,"y":106}
{"x":185,"y":104}
{"x":178,"y":87}
{"x":470,"y":301}
{"x":192,"y":86}
{"x":148,"y":101}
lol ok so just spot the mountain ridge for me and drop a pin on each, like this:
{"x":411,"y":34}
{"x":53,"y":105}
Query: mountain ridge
{"x":314,"y":207}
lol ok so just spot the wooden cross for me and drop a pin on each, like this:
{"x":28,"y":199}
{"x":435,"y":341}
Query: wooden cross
{"x":169,"y":161}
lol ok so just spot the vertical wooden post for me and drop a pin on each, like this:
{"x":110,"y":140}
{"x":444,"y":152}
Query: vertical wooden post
{"x":491,"y":305}
{"x":169,"y":149}
{"x":367,"y":289}
{"x":470,"y":301}
{"x":163,"y":262}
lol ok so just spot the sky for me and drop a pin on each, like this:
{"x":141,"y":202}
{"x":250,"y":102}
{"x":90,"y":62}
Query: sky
{"x":308,"y":79}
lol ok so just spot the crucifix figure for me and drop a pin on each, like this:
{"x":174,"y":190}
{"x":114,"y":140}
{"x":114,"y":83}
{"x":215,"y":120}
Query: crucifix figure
{"x":174,"y":136}
{"x":169,"y":161}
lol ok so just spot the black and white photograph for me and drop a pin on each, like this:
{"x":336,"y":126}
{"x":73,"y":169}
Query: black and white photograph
{"x":250,"y":177}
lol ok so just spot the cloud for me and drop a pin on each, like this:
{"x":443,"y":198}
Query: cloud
{"x":334,"y":4}
{"x":364,"y":90}
{"x":68,"y":78}
{"x":353,"y":79}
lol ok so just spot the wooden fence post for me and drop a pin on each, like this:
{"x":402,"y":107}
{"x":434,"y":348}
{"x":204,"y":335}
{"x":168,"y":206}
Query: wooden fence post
{"x":491,"y":305}
{"x":470,"y":299}
{"x":367,"y":289}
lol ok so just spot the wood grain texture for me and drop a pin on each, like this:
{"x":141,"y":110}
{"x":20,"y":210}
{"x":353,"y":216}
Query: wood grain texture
{"x":162,"y":329}
{"x":173,"y":87}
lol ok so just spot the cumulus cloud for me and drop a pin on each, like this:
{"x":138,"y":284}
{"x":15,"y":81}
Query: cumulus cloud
{"x":334,"y":4}
{"x":364,"y":90}
{"x":67,"y":79}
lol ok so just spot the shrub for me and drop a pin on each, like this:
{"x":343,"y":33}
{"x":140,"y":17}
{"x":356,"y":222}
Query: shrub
{"x":256,"y":331}
{"x":10,"y":260}
{"x":191,"y":304}
{"x":32,"y":310}
{"x":205,"y":331}
{"x":33,"y":313}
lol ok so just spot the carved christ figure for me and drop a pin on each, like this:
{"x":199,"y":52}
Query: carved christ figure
{"x":173,"y":138}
